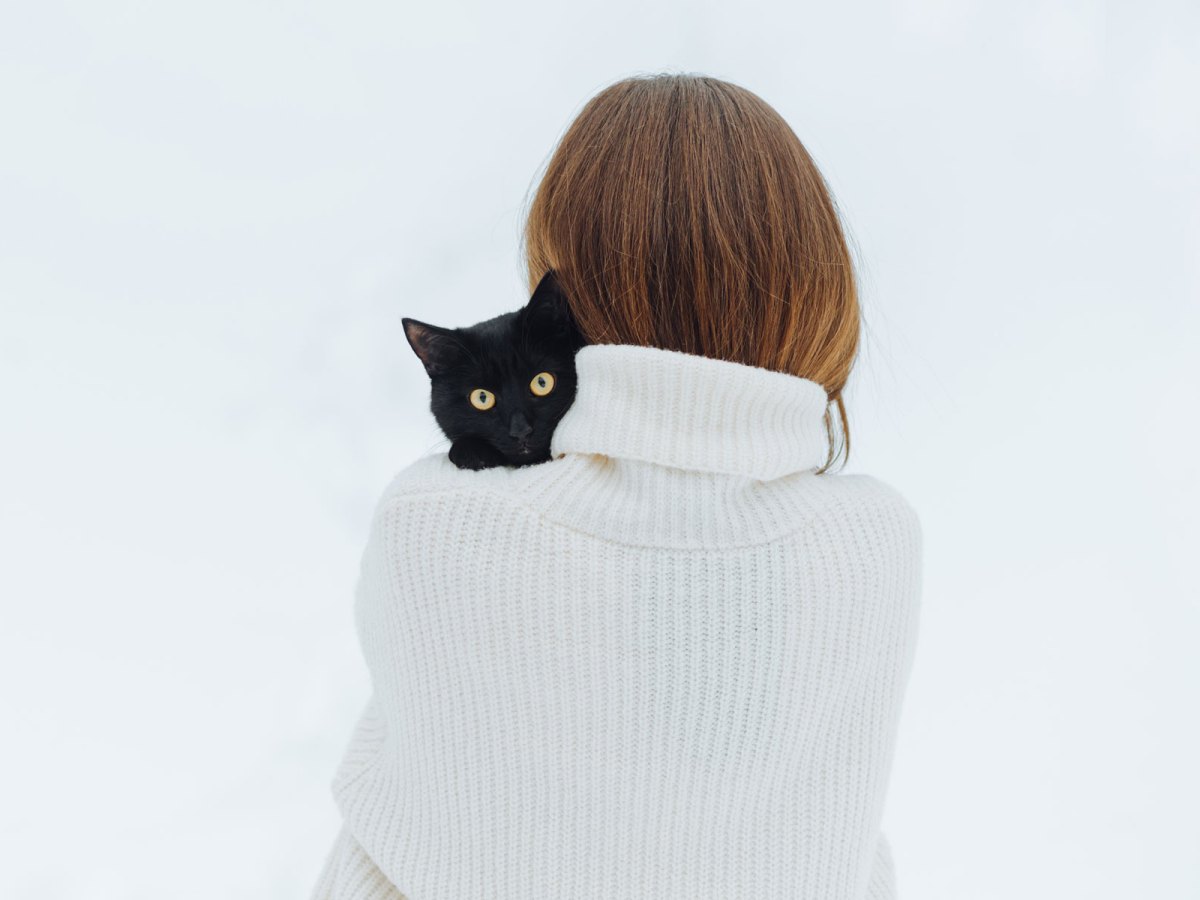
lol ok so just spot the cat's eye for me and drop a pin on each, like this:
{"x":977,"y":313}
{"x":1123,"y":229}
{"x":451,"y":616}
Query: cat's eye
{"x":542,"y":384}
{"x":481,"y":399}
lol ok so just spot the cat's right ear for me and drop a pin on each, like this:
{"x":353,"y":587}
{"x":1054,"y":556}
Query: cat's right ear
{"x":436,"y":347}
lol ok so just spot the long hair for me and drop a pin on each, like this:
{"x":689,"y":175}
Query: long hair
{"x":682,"y":212}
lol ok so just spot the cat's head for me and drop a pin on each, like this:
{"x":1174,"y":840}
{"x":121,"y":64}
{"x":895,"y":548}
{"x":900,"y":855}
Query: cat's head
{"x":507,"y":380}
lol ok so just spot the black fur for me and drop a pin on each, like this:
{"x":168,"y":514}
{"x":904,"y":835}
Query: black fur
{"x":501,"y":355}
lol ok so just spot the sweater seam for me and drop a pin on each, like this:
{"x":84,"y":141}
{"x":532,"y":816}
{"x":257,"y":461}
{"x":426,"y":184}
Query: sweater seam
{"x":511,"y":500}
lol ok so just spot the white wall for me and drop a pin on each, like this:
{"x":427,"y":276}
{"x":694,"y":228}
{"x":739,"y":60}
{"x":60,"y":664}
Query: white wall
{"x":213,"y":216}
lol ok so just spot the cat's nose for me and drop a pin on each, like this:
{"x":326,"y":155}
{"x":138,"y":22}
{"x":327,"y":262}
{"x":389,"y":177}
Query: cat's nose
{"x":518,"y":426}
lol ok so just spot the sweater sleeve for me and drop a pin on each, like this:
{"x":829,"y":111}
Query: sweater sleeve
{"x":349,"y":874}
{"x":882,"y":885}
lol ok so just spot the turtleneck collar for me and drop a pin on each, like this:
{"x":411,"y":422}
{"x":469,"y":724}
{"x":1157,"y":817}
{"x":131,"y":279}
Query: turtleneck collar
{"x":692,"y":412}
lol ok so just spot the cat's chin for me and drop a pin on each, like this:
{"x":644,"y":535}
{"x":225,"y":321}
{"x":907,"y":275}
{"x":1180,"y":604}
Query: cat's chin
{"x":472,"y":452}
{"x":529,"y":457}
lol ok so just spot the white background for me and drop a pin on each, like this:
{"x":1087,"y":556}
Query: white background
{"x":213,"y":216}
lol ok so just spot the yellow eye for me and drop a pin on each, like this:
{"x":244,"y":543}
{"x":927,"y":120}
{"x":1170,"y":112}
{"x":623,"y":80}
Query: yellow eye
{"x":481,"y":399}
{"x":542,"y":384}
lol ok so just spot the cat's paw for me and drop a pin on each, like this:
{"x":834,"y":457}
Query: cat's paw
{"x":474,"y":453}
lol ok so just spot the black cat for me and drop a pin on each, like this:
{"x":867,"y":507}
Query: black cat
{"x":498,"y":388}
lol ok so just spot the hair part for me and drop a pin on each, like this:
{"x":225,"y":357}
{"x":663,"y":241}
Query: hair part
{"x":682,"y":212}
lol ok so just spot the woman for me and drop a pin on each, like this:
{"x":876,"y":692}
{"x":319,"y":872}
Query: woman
{"x":669,"y":662}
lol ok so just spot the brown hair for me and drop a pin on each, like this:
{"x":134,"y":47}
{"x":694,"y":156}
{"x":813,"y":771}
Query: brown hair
{"x":682,"y":212}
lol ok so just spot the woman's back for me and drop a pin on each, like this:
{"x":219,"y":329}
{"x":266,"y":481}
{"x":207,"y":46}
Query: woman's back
{"x":667,"y":664}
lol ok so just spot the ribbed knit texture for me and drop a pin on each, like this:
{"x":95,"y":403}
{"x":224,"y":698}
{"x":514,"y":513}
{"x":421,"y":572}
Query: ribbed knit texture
{"x":667,"y":664}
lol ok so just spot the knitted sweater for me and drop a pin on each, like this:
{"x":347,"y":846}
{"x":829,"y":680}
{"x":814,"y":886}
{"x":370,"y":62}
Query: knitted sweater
{"x":667,"y":664}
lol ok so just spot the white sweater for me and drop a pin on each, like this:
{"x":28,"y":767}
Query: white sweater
{"x":667,"y":664}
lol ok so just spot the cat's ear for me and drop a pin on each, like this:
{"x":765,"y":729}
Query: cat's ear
{"x":548,"y":298}
{"x":437,"y":348}
{"x":548,"y":309}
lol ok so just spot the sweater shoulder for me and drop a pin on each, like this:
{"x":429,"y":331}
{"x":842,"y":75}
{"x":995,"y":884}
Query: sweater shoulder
{"x":867,"y":497}
{"x":434,"y":474}
{"x":871,"y":520}
{"x":874,"y":522}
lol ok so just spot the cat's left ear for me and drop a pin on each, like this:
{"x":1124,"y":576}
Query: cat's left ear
{"x":548,"y":306}
{"x":437,"y":348}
